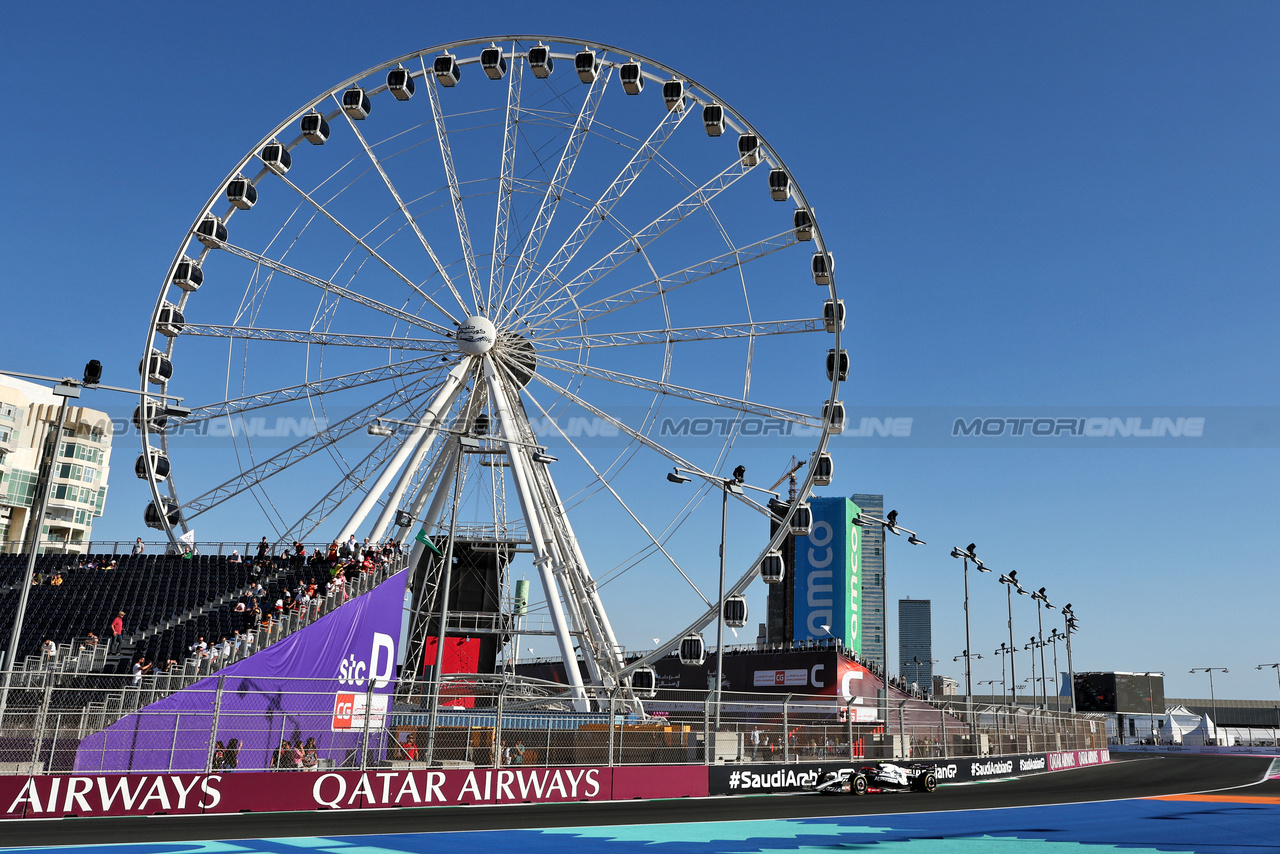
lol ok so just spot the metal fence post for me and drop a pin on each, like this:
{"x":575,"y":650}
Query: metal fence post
{"x":53,"y":748}
{"x":848,"y":717}
{"x":38,"y":729}
{"x":496,"y":759}
{"x":613,"y":695}
{"x":786,"y":734}
{"x":213,"y":731}
{"x":946,"y":748}
{"x":706,"y":730}
{"x":173,"y":748}
{"x":368,"y":716}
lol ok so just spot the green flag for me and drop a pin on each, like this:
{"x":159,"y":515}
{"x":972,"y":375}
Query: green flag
{"x":426,"y":541}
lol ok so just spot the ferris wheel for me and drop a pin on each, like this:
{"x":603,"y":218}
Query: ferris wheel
{"x":483,"y":290}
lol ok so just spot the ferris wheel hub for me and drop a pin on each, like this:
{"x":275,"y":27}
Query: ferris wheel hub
{"x":476,"y":336}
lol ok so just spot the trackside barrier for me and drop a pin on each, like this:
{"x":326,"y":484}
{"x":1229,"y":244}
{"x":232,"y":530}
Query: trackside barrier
{"x":192,"y":794}
{"x":56,"y":796}
{"x":764,"y":779}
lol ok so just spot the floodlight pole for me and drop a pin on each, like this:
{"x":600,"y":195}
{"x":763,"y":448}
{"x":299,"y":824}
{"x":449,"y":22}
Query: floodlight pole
{"x":65,"y":389}
{"x":727,"y":485}
{"x":1213,"y":700}
{"x":1069,"y":618}
{"x":1276,"y":667}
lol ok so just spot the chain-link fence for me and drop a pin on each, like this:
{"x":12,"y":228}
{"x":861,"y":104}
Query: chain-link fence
{"x":107,"y":724}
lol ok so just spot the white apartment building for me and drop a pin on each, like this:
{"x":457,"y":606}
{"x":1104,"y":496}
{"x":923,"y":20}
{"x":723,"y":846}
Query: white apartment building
{"x":78,"y":461}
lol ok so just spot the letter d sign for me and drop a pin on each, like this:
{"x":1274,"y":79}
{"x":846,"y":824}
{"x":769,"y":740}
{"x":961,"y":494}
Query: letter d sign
{"x":382,"y":660}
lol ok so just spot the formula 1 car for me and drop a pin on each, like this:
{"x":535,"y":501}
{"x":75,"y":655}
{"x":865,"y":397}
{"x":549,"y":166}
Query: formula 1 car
{"x":881,"y":777}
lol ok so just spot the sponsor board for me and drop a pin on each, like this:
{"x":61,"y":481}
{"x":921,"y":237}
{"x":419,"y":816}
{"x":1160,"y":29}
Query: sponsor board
{"x":349,"y":711}
{"x":764,"y":778}
{"x":1207,"y":749}
{"x":759,"y":779}
{"x":176,"y":794}
{"x":1066,"y":759}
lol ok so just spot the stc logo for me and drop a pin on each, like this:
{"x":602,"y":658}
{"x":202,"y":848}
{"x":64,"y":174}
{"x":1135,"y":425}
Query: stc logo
{"x":382,"y":659}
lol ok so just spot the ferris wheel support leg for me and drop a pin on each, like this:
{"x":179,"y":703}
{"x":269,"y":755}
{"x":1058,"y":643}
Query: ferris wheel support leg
{"x":425,"y":444}
{"x":439,"y":480}
{"x":543,"y":556}
{"x":569,"y":580}
{"x":430,"y":421}
{"x":592,"y":595}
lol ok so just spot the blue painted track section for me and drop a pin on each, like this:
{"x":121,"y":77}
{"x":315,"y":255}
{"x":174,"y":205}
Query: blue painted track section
{"x":1130,"y":825}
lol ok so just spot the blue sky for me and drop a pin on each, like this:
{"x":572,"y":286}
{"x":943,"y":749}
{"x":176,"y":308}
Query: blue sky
{"x":1031,"y":206}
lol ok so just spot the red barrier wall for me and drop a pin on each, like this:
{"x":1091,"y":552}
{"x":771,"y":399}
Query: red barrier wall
{"x":178,"y":794}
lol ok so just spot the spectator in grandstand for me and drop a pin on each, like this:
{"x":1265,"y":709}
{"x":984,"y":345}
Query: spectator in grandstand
{"x":48,"y":653}
{"x":286,"y":755}
{"x":299,"y":554}
{"x":138,"y":547}
{"x":333,"y":553}
{"x":224,"y":650}
{"x":235,"y":556}
{"x":117,"y":632}
{"x":263,"y":549}
{"x":298,"y":755}
{"x":139,"y":668}
{"x":231,"y":758}
{"x":310,"y":757}
{"x":219,"y":756}
{"x":198,"y":648}
{"x":89,"y":643}
{"x":56,"y":581}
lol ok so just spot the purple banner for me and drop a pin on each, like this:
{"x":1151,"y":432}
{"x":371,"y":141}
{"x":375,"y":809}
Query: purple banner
{"x":314,"y":684}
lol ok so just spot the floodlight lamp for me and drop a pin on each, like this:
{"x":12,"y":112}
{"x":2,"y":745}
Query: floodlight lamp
{"x":676,"y":477}
{"x":93,"y":372}
{"x":915,"y":541}
{"x":740,"y":474}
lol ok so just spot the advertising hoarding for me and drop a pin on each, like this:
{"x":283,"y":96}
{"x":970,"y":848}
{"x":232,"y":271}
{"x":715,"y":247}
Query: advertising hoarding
{"x":828,"y":576}
{"x":290,"y":690}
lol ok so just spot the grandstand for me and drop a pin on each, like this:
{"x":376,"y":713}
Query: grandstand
{"x":169,"y":602}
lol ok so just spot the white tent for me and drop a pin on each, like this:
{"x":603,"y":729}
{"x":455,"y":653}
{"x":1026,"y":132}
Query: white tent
{"x":1204,"y":733}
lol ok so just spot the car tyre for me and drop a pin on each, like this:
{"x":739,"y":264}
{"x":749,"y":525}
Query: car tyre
{"x":858,"y":785}
{"x":928,"y":782}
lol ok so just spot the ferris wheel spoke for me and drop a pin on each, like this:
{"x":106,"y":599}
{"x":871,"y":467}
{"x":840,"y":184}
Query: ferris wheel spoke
{"x":699,"y":198}
{"x":647,"y":442}
{"x":373,"y":253}
{"x":548,"y":419}
{"x":745,"y":407}
{"x":301,"y":336}
{"x":323,"y":439}
{"x":413,"y":223}
{"x":502,"y":216}
{"x":551,"y":198}
{"x":337,"y":290}
{"x":561,"y":343}
{"x":603,"y":206}
{"x":313,"y":388}
{"x":658,"y":286}
{"x":350,"y":483}
{"x":455,"y":194}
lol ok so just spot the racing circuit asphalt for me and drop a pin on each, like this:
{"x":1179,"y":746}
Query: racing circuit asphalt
{"x":1144,"y":776}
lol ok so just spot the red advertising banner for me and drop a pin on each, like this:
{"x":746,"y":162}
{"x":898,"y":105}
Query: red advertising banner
{"x":178,"y":794}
